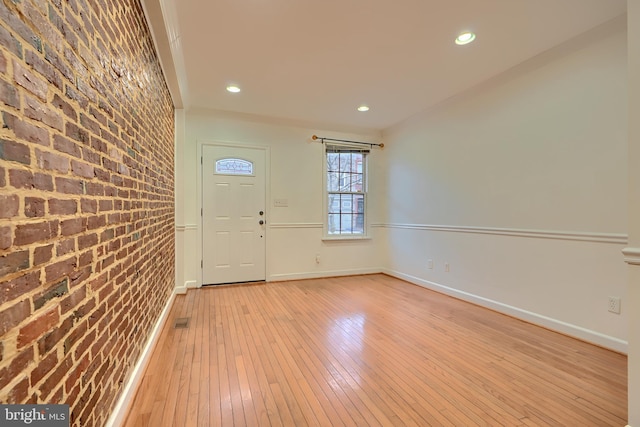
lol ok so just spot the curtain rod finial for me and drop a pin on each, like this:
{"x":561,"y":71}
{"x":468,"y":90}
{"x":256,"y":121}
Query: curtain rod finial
{"x":314,"y":137}
{"x":381,"y":145}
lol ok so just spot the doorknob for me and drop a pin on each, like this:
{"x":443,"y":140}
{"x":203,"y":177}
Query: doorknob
{"x":261,"y":222}
{"x":261,"y":213}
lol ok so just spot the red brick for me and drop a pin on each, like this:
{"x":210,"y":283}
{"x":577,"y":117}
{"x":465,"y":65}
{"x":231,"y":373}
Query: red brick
{"x":33,"y":207}
{"x":9,"y":94}
{"x":45,"y":69}
{"x":69,"y":186}
{"x":42,"y":182}
{"x":73,"y":226}
{"x":19,"y":286}
{"x":66,"y":107}
{"x":42,"y":254}
{"x":38,"y":232}
{"x":39,"y":111}
{"x":9,"y":206}
{"x":96,"y":222}
{"x":14,"y":262}
{"x":18,"y":393}
{"x":20,"y":178}
{"x":25,"y":78}
{"x":77,"y":133}
{"x":82,"y":169}
{"x":92,"y":157}
{"x":85,"y":259}
{"x":55,"y":378}
{"x":18,"y":364}
{"x":87,"y":241}
{"x":25,"y":131}
{"x":14,"y":152}
{"x":66,"y":246}
{"x":84,"y":346}
{"x":37,"y":327}
{"x":73,"y":300}
{"x":80,"y":275}
{"x":14,"y":315}
{"x":50,"y":340}
{"x":6,"y":238}
{"x":76,"y":373}
{"x":90,"y":124}
{"x":60,"y":269}
{"x":62,"y":207}
{"x":105,"y":205}
{"x":51,"y":161}
{"x":89,"y":206}
{"x":65,"y":145}
{"x":94,"y":188}
{"x":44,"y":367}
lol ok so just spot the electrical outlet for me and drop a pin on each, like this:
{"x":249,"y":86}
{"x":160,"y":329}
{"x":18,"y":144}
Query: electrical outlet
{"x":614,"y":305}
{"x":430,"y":264}
{"x":446,"y":267}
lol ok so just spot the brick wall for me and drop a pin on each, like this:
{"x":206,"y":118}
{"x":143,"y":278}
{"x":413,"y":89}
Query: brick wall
{"x":86,"y":200}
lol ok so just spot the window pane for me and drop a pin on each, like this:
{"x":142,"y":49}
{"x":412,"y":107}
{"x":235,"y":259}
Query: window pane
{"x":334,"y":224}
{"x":358,"y":226}
{"x":346,"y":226}
{"x":333,"y":181}
{"x":345,"y":162}
{"x":333,"y":163}
{"x":358,"y":200}
{"x":334,"y":203}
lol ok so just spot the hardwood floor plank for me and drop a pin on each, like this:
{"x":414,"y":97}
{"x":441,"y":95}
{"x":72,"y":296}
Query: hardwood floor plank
{"x":368,"y":351}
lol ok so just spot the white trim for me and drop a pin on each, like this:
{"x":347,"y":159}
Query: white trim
{"x":528,"y":316}
{"x":186,"y":227}
{"x":631,"y":256}
{"x":322,"y":274}
{"x":621,"y":239}
{"x":296,"y":225}
{"x":119,"y":413}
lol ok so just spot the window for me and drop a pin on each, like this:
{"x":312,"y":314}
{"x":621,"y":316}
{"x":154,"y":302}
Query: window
{"x":346,"y":169}
{"x":231,"y":166}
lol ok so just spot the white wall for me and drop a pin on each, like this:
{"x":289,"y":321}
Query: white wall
{"x":294,"y":233}
{"x":521,"y":186}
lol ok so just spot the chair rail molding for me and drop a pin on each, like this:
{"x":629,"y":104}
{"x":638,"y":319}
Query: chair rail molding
{"x":631,"y":256}
{"x":615,"y":238}
{"x":186,"y":227}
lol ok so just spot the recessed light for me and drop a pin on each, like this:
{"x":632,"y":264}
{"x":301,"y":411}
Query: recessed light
{"x":465,"y":38}
{"x":233,"y":89}
{"x":363,"y":108}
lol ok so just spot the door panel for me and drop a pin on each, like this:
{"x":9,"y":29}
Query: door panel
{"x":233,"y":238}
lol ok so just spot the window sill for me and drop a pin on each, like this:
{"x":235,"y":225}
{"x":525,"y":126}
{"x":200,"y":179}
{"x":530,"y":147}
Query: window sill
{"x":344,"y":238}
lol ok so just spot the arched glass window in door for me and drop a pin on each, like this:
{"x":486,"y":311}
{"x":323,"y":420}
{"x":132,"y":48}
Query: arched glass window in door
{"x":233,"y":166}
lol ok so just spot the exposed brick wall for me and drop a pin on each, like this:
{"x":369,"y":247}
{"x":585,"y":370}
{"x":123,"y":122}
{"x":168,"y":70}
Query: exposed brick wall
{"x":86,"y":200}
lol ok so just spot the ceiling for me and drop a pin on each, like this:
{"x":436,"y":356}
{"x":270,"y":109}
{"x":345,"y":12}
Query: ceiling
{"x":317,"y":61}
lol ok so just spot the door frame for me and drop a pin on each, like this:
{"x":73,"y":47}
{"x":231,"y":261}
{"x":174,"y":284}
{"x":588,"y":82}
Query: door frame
{"x":267,"y":195}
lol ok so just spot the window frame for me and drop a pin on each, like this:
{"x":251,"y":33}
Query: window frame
{"x":365,"y":190}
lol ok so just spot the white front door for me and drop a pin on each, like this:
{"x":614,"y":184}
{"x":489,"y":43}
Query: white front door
{"x":233,"y":214}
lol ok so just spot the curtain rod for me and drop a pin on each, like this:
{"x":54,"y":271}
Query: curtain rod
{"x":371,"y":144}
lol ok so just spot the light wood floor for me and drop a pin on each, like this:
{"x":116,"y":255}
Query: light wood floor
{"x":369,"y":351}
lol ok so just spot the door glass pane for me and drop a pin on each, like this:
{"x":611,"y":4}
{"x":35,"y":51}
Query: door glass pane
{"x":231,"y":166}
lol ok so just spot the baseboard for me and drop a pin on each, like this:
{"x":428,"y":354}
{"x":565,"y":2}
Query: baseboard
{"x":119,"y":413}
{"x":321,"y":274}
{"x":575,"y":331}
